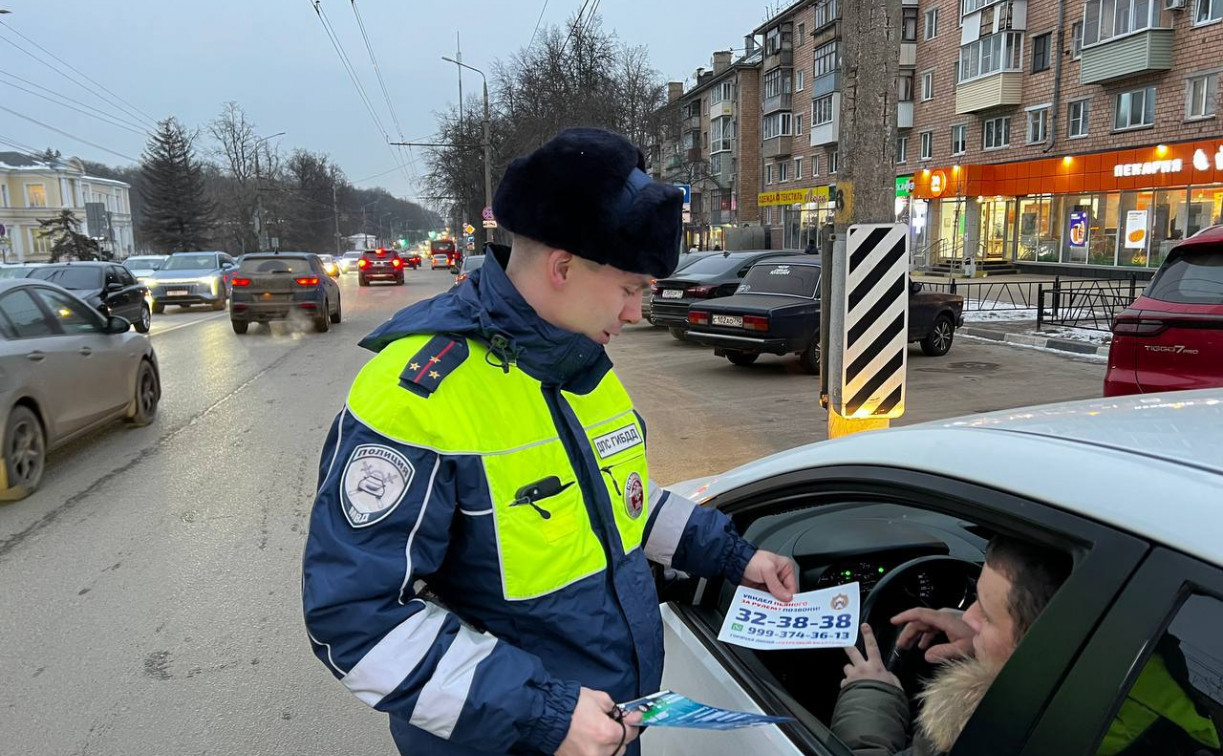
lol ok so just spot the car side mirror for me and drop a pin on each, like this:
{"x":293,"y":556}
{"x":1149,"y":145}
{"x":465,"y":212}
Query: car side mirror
{"x":114,"y":286}
{"x":117,"y":325}
{"x":915,"y":287}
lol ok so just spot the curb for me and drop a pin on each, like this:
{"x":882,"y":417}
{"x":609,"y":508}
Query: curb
{"x":1045,"y":342}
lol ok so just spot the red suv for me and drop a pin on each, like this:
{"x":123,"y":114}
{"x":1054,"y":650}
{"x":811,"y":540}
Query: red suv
{"x":1171,"y":338}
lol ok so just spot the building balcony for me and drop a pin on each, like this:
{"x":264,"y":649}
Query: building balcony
{"x":692,"y":123}
{"x":1122,"y":57}
{"x":779,"y":58}
{"x":826,"y":133}
{"x":994,"y":91}
{"x":777,"y":102}
{"x":722,"y":109}
{"x":825,"y":84}
{"x":778,"y":146}
{"x":904,"y":115}
{"x":908,"y":54}
{"x":694,"y":155}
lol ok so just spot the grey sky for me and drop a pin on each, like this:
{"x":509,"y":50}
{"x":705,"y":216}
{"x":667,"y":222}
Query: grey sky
{"x":188,"y":57}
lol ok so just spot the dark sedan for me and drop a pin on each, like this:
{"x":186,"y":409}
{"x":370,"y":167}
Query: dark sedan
{"x":109,"y":288}
{"x":710,"y":277}
{"x":777,"y":311}
{"x":281,"y":285}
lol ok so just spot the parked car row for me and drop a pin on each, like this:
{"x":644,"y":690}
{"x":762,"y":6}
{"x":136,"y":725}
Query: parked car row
{"x":745,"y":304}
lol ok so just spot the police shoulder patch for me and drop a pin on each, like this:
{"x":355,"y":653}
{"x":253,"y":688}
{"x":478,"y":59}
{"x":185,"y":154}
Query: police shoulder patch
{"x":374,"y":481}
{"x":439,"y":358}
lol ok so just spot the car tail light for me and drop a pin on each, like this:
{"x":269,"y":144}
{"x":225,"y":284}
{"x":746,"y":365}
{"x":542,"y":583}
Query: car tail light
{"x":240,"y":282}
{"x":756,"y":322}
{"x":363,"y":263}
{"x":698,"y":318}
{"x":307,"y":281}
{"x":1136,"y":326}
{"x":699,"y":292}
{"x":396,"y":263}
{"x":382,"y":253}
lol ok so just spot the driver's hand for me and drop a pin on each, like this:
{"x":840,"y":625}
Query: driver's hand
{"x":869,"y":668}
{"x":922,"y":626}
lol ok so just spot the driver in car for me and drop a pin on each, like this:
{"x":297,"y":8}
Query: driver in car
{"x":872,"y":712}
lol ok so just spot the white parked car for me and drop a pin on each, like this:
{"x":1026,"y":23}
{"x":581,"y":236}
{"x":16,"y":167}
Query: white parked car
{"x":1131,"y":488}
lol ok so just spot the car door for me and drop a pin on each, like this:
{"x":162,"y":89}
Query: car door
{"x":52,"y":358}
{"x":722,"y":674}
{"x":1169,"y":616}
{"x":104,"y":369}
{"x":122,"y":294}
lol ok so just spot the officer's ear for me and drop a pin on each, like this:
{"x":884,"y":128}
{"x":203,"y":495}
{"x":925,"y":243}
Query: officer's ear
{"x":560,"y":266}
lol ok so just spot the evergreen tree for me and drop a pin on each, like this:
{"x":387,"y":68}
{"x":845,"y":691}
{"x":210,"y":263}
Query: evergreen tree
{"x":68,"y":243}
{"x":178,"y":216}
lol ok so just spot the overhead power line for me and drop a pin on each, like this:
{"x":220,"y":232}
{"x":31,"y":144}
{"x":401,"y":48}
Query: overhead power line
{"x":69,"y":135}
{"x":123,"y":105}
{"x":386,"y":95}
{"x":97,"y":114}
{"x":537,"y":23}
{"x":576,"y":23}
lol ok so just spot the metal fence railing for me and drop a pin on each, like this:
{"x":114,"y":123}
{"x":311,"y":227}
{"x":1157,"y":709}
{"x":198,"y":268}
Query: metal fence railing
{"x":990,"y":295}
{"x":1089,"y":304}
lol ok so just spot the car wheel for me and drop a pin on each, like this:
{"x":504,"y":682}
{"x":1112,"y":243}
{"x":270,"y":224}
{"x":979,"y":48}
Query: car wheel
{"x":146,"y":320}
{"x":158,"y":308}
{"x":399,"y":281}
{"x":148,"y":394}
{"x":362,"y":281}
{"x":25,"y":453}
{"x":335,"y":316}
{"x":742,"y":359}
{"x":938,"y":341}
{"x":678,"y":333}
{"x":322,"y":323}
{"x":809,"y":360}
{"x":219,"y":304}
{"x":240,"y":326}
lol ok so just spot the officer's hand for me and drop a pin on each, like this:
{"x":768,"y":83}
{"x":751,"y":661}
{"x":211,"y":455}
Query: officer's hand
{"x":592,"y":731}
{"x":773,"y":573}
{"x":922,"y":626}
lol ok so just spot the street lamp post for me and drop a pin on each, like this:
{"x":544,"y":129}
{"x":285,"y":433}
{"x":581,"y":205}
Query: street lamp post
{"x":259,"y":226}
{"x":488,"y":150}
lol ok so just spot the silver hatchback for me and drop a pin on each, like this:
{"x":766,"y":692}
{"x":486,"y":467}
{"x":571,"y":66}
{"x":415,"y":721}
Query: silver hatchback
{"x":67,"y":370}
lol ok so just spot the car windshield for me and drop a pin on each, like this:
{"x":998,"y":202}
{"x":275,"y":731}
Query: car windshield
{"x":352,"y":255}
{"x":472,"y":263}
{"x":1191,"y":276}
{"x":70,"y":277}
{"x":144,"y":263}
{"x":14,"y":272}
{"x":781,"y":278}
{"x":714,"y":265}
{"x":191,"y":262}
{"x":260,"y":266}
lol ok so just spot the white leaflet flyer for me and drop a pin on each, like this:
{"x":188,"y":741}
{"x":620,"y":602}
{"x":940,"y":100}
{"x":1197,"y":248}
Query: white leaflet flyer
{"x":827,"y":618}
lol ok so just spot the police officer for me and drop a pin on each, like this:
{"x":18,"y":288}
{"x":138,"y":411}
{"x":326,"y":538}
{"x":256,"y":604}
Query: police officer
{"x":476,"y":565}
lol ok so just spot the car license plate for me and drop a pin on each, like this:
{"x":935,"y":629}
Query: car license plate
{"x":176,"y":292}
{"x":672,"y":293}
{"x":728,"y":320}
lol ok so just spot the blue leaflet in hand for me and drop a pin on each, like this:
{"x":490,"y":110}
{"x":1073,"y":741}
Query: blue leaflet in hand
{"x":667,"y":709}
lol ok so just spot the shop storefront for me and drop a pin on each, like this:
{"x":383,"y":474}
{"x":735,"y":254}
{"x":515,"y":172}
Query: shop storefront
{"x":1122,"y":209}
{"x":797,"y":214}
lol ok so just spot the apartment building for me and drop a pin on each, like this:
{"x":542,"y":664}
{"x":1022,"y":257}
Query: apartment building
{"x":1066,"y":133}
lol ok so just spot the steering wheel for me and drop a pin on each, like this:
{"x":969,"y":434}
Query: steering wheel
{"x":954,"y":585}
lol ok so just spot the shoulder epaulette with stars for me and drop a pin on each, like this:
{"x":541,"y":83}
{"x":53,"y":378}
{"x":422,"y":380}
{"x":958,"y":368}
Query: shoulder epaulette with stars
{"x":430,"y":366}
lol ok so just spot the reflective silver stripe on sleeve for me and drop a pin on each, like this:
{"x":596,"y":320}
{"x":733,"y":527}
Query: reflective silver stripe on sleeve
{"x":385,"y":666}
{"x":669,"y":524}
{"x":441,"y":700}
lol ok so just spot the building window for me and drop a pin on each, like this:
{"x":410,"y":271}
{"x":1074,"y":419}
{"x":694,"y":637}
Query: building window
{"x":798,"y":124}
{"x":1038,"y":125}
{"x":1201,"y":95}
{"x":997,"y":133}
{"x":42,"y":243}
{"x":815,"y":166}
{"x":969,"y":6}
{"x":777,"y":83}
{"x":826,"y":11}
{"x":959,"y":139}
{"x":927,"y":86}
{"x":724,"y":92}
{"x":4,"y":195}
{"x":826,"y":59}
{"x":798,"y":169}
{"x":1105,"y":19}
{"x":768,"y":173}
{"x":1135,"y":109}
{"x":1079,"y":112}
{"x":783,"y":172}
{"x":931,"y":24}
{"x":834,"y":158}
{"x":35,"y":195}
{"x":723,"y":133}
{"x":800,"y":79}
{"x":908,"y":29}
{"x":1206,"y":11}
{"x":989,"y":55}
{"x":904,"y":86}
{"x":1076,"y":40}
{"x":716,"y":163}
{"x":777,"y":124}
{"x":823,"y":111}
{"x":1042,"y":44}
{"x":927,"y":145}
{"x":802,"y":32}
{"x":902,"y":149}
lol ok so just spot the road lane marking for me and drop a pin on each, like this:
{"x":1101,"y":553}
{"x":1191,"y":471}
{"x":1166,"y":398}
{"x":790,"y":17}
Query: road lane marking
{"x":204,"y":319}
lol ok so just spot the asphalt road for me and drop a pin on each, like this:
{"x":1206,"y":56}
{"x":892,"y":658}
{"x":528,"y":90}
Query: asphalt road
{"x":150,"y":589}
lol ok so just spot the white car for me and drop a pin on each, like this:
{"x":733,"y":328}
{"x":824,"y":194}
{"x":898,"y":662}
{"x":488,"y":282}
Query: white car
{"x":1130,"y":488}
{"x":348,"y":262}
